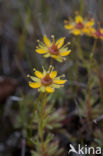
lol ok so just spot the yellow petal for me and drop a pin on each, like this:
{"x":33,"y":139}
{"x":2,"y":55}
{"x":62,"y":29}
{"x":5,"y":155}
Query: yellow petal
{"x":47,"y":41}
{"x":34,"y":85}
{"x":58,"y":58}
{"x":78,"y":19}
{"x":56,"y":86}
{"x":54,"y":56}
{"x":69,"y":26}
{"x":49,"y":89}
{"x":89,"y":23}
{"x":76,"y":32}
{"x":65,"y":53}
{"x":35,"y":79}
{"x":60,"y":42}
{"x":85,"y":30}
{"x":42,"y":89}
{"x":59,"y":81}
{"x":53,"y":74}
{"x":101,"y":30}
{"x":47,"y":55}
{"x":38,"y":74}
{"x":41,"y":51}
{"x":92,"y":30}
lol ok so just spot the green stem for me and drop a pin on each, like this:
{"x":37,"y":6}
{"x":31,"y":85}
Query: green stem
{"x":32,"y":118}
{"x":100,"y":76}
{"x":42,"y":118}
{"x":51,"y":61}
{"x":82,"y":2}
{"x":93,"y":50}
{"x":80,"y":54}
{"x":101,"y":94}
{"x":88,"y":101}
{"x":89,"y":108}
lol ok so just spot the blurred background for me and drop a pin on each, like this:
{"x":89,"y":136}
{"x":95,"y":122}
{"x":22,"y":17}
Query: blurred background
{"x":22,"y":22}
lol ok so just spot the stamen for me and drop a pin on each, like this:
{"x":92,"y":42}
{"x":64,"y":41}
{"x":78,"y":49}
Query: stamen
{"x":62,"y":76}
{"x":66,"y":21}
{"x":41,"y":43}
{"x":53,"y":38}
{"x":50,"y":69}
{"x":34,"y":69}
{"x":28,"y":75}
{"x":76,"y":12}
{"x":43,"y":68}
{"x":68,"y":43}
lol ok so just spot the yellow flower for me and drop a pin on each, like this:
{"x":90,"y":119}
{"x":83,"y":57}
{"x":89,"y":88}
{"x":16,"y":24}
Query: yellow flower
{"x":80,"y":26}
{"x":98,"y":34}
{"x":46,"y":81}
{"x":56,"y":50}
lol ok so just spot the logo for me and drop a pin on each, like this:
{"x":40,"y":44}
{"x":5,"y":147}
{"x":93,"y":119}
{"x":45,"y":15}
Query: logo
{"x":85,"y":150}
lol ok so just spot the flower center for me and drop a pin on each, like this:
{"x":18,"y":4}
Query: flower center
{"x":54,"y":50}
{"x":46,"y":80}
{"x":98,"y":33}
{"x":79,"y":25}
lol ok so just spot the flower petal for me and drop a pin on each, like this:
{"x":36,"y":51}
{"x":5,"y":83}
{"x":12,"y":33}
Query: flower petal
{"x":65,"y":53}
{"x":69,"y":26}
{"x":101,"y":30}
{"x":58,"y":58}
{"x":55,"y":86}
{"x":47,"y":41}
{"x":89,"y":23}
{"x":54,"y":56}
{"x":59,"y":81}
{"x":42,"y":89}
{"x":60,"y":42}
{"x":47,"y":55}
{"x":78,"y":19}
{"x":63,"y":49}
{"x":76,"y":32}
{"x":34,"y":85}
{"x":49,"y":89}
{"x":38,"y":74}
{"x":41,"y":51}
{"x":35,"y":78}
{"x":53,"y":74}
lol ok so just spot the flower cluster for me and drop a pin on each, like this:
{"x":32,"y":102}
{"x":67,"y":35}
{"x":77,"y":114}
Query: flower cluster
{"x":48,"y":80}
{"x":80,"y":26}
{"x":98,"y":34}
{"x":56,"y":50}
